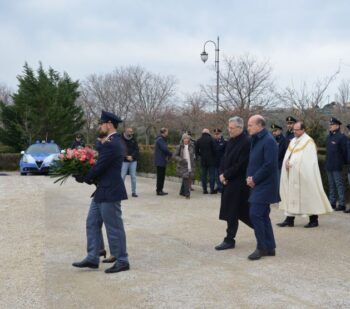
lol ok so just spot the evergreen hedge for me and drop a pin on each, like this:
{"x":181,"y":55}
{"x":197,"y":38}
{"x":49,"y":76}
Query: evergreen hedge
{"x":9,"y":161}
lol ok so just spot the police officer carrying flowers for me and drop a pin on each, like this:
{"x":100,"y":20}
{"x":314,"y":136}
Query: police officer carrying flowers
{"x":105,"y":206}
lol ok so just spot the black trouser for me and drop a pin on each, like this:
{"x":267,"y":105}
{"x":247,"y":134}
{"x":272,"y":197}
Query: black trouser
{"x":205,"y":171}
{"x":232,"y":225}
{"x":312,"y":218}
{"x":160,"y":178}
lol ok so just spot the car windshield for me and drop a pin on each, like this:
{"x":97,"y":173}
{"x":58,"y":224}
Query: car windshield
{"x":43,"y":148}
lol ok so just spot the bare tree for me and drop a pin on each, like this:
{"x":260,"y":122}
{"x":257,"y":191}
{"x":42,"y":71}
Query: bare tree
{"x":343,"y":95}
{"x":152,"y":95}
{"x":111,"y":91}
{"x":341,"y":106}
{"x":5,"y":94}
{"x":91,"y":110}
{"x":246,"y":85}
{"x":194,"y":113}
{"x":307,"y":104}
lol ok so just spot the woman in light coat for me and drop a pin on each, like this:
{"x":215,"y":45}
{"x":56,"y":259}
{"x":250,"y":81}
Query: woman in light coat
{"x":185,"y":166}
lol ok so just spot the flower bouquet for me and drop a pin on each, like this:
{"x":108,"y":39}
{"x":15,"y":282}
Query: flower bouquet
{"x":73,"y":162}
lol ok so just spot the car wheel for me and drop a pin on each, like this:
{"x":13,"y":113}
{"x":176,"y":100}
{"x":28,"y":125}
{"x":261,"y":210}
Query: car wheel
{"x":23,"y":174}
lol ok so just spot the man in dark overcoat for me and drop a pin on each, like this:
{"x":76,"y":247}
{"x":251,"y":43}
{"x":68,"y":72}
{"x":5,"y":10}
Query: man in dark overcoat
{"x":262,"y":178}
{"x":205,"y":150}
{"x":161,"y":156}
{"x":235,"y":194}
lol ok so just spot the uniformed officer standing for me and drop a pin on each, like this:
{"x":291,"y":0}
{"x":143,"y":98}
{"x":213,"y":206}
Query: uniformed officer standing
{"x":290,"y":124}
{"x":78,"y":142}
{"x":348,"y":150}
{"x":336,"y":157}
{"x":105,"y":206}
{"x":220,"y":144}
{"x":282,"y":144}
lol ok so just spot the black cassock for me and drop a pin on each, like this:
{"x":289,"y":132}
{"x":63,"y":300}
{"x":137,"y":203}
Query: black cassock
{"x":234,"y":199}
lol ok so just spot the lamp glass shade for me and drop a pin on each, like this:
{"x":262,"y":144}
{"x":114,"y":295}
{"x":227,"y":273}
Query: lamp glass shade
{"x":204,"y":56}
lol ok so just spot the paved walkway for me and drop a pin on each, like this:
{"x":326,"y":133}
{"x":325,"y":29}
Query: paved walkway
{"x":171,"y":246}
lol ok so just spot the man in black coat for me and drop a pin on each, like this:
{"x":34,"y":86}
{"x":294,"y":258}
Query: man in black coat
{"x":336,"y":158}
{"x":235,"y":194}
{"x":130,"y":159}
{"x":161,"y":156}
{"x":205,"y":150}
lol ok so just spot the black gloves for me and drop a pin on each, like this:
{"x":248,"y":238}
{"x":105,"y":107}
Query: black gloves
{"x":79,"y":178}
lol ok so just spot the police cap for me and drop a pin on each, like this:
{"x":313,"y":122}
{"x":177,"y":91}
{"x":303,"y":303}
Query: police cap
{"x":109,"y":117}
{"x":291,"y":119}
{"x":275,"y":126}
{"x":334,"y":120}
{"x":217,"y":131}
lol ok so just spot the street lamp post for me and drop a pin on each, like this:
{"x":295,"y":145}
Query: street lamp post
{"x":204,"y":57}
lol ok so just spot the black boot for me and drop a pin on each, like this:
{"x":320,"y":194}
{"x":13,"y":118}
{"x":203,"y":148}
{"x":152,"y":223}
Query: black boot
{"x":85,"y":264}
{"x":340,"y":208}
{"x":313,"y":222}
{"x":226,"y":245}
{"x":117,"y":267}
{"x":288,"y":221}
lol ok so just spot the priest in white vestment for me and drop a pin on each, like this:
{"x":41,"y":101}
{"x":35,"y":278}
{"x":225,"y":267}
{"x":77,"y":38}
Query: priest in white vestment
{"x":301,"y":186}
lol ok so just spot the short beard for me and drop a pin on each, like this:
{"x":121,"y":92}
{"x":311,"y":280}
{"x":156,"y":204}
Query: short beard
{"x":102,"y":134}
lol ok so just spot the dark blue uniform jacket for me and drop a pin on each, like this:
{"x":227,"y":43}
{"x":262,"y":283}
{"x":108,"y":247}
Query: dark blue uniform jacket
{"x":219,"y":150}
{"x":263,"y":166}
{"x":336,"y":151}
{"x":107,"y":171}
{"x":282,"y":148}
{"x":289,"y":137}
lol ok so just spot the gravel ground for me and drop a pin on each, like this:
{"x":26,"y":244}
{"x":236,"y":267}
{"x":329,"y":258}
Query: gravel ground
{"x":171,"y":247}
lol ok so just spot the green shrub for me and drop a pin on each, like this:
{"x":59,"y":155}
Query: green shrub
{"x":9,"y":161}
{"x":6,"y":149}
{"x":145,"y":163}
{"x":322,"y":150}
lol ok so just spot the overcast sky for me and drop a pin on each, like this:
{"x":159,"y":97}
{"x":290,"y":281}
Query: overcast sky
{"x":304,"y":40}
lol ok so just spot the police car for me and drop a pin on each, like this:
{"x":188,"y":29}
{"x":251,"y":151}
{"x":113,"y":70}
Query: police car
{"x":39,"y":157}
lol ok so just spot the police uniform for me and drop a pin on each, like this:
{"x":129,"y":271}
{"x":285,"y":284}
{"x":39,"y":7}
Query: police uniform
{"x":220,"y":147}
{"x":290,"y":133}
{"x":282,"y":146}
{"x":336,"y":158}
{"x":78,"y":143}
{"x":105,"y":206}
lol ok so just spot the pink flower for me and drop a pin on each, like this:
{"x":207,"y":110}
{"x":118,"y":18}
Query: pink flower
{"x":69,"y":154}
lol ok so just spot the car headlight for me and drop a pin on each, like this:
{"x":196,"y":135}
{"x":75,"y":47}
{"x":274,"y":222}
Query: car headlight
{"x":28,"y":159}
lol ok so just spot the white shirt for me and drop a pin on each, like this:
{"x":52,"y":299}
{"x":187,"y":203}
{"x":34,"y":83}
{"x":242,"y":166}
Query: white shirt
{"x":187,"y":157}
